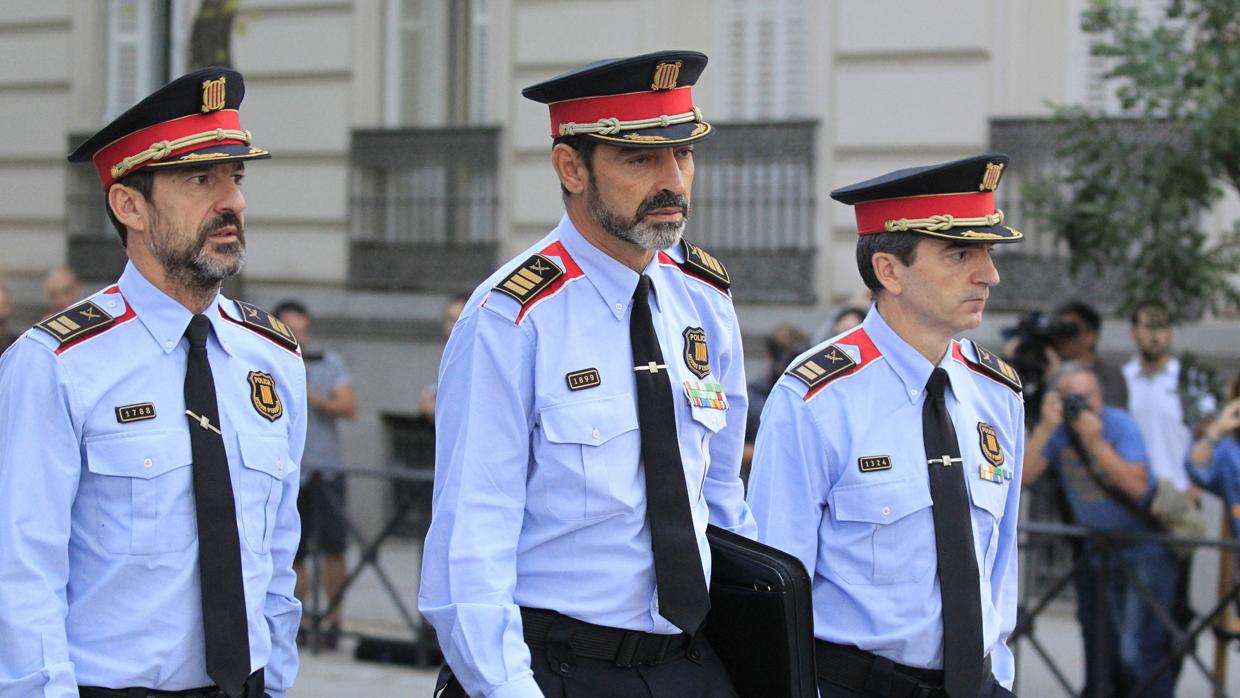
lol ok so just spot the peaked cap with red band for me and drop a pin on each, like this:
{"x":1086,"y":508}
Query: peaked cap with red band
{"x":640,"y":102}
{"x":190,"y":122}
{"x":953,"y":201}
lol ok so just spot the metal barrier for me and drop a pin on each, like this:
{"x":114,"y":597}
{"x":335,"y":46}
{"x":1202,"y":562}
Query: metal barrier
{"x":317,"y":610}
{"x":1105,"y":547}
{"x":421,"y":637}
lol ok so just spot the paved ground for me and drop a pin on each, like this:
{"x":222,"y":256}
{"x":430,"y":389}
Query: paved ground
{"x":370,"y":610}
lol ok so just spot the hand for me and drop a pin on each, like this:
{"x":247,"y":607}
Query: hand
{"x":1052,"y":410}
{"x":313,"y":399}
{"x":1088,"y":425}
{"x":1226,"y":422}
{"x":1052,"y":360}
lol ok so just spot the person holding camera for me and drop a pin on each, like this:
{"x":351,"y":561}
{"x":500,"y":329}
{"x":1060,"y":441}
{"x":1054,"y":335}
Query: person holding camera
{"x":1098,"y":453}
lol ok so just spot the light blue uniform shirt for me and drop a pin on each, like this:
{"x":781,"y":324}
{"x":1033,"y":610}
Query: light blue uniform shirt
{"x":867,"y":537}
{"x":540,"y":497}
{"x":98,"y":536}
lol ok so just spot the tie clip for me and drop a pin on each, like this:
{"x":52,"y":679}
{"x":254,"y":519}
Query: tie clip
{"x":204,"y":422}
{"x":945,"y":461}
{"x":651,"y":366}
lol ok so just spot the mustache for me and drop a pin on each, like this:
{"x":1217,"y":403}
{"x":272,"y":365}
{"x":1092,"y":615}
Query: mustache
{"x":664,"y":199}
{"x":227,"y":218}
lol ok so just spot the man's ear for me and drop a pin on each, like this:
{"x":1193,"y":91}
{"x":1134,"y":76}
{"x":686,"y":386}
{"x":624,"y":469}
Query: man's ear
{"x":129,"y":207}
{"x":890,"y":271}
{"x":570,"y":168}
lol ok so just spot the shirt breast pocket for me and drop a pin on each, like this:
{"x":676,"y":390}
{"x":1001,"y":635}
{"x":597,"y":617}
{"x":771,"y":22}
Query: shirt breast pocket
{"x":266,"y":464}
{"x":881,"y":532}
{"x":989,"y":500}
{"x":590,"y":456}
{"x":144,"y":491}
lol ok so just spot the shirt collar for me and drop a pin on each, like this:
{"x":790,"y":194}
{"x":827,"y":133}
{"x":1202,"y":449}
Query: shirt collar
{"x":163,"y":317}
{"x":908,"y":364}
{"x":613,"y":281}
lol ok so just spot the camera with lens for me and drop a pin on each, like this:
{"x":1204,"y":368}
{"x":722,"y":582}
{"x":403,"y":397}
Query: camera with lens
{"x":1073,"y":406}
{"x":1034,"y":333}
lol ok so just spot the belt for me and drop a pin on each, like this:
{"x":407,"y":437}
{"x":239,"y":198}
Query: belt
{"x":253,"y":689}
{"x":624,"y":648}
{"x":863,"y":672}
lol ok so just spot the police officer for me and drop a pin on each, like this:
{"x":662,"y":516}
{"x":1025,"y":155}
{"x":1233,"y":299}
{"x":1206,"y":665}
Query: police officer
{"x":591,"y":417}
{"x":151,"y":436}
{"x":888,"y":457}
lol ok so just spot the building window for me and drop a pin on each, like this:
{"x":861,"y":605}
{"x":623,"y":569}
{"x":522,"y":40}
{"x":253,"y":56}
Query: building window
{"x":753,"y":207}
{"x":763,"y":58}
{"x":439,"y":68}
{"x":423,"y":208}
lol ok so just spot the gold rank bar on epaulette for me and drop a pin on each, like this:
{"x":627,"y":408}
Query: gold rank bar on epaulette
{"x":1001,"y":370}
{"x":76,"y":321}
{"x":700,"y":263}
{"x":262,"y":321}
{"x":531,"y":278}
{"x":822,"y":367}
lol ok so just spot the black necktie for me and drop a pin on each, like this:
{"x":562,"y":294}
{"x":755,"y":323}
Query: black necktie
{"x":953,"y":536}
{"x":683,"y":598}
{"x":219,"y":548}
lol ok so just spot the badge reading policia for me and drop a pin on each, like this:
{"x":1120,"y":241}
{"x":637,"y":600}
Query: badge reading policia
{"x":534,"y":275}
{"x":869,"y":464}
{"x":264,"y":396}
{"x":697,"y":358}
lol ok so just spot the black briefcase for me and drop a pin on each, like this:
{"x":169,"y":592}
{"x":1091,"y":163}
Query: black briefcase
{"x":761,"y":620}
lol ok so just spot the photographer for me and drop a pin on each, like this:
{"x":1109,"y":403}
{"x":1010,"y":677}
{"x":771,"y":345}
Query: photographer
{"x":1100,"y":458}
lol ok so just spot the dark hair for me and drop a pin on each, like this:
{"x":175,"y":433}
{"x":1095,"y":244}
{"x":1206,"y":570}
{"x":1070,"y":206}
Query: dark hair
{"x":848,"y":310}
{"x":585,"y":148}
{"x":903,"y":245}
{"x":1081,"y":309}
{"x":285,"y":306}
{"x":1158,"y":309}
{"x":143,"y":182}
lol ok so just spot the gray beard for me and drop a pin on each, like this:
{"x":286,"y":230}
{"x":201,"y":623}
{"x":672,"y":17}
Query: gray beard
{"x":194,"y":267}
{"x":648,"y":236}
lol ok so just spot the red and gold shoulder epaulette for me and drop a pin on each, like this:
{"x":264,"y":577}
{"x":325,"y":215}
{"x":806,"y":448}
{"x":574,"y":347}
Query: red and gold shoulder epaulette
{"x":832,"y":361}
{"x":990,"y":365}
{"x":702,"y":265}
{"x":529,"y":279}
{"x":264,"y":324}
{"x":76,"y":324}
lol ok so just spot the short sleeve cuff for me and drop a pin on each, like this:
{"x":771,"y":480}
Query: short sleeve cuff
{"x":521,"y":688}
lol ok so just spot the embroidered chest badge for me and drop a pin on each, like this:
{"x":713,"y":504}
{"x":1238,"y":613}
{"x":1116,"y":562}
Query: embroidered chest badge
{"x":992,"y":470}
{"x":264,"y":397}
{"x":697,"y":358}
{"x":706,"y":395}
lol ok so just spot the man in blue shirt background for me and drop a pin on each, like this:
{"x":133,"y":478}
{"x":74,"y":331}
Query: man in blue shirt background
{"x":1108,"y":440}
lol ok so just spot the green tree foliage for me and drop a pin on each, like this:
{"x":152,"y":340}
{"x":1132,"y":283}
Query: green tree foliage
{"x":1133,"y":191}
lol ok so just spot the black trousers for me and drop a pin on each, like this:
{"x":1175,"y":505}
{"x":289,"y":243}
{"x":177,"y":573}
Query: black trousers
{"x":826,"y":689}
{"x":253,"y":689}
{"x":698,"y":673}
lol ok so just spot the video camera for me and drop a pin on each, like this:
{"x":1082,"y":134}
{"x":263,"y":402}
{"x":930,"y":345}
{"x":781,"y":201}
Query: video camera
{"x":1035,"y":332}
